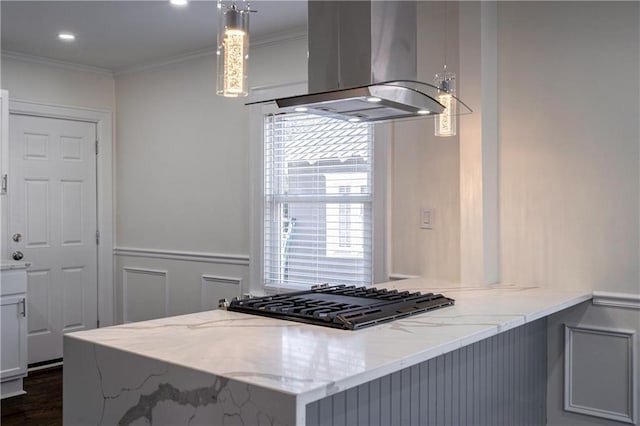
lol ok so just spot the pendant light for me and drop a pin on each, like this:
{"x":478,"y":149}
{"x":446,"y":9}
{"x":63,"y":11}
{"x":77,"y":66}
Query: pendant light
{"x":233,"y":48}
{"x":446,"y":122}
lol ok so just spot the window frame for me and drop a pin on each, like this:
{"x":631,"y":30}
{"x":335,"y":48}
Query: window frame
{"x":256,"y":167}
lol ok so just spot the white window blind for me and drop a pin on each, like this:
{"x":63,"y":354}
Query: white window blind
{"x":318,"y":197}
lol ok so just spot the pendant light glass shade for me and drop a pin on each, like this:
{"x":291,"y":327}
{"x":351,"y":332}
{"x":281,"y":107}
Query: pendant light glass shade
{"x":233,"y":48}
{"x":446,"y":123}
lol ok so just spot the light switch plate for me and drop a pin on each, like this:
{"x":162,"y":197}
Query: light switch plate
{"x":426,"y":218}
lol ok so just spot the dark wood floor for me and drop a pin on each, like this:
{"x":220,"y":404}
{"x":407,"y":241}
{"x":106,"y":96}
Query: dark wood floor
{"x":41,"y":406}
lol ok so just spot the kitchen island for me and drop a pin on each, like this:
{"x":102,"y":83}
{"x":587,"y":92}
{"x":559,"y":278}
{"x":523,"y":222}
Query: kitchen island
{"x":483,"y":357}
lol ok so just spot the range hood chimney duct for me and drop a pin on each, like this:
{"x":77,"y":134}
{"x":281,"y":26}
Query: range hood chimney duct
{"x":358,"y":43}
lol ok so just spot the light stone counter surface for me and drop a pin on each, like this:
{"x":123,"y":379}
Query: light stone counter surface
{"x":6,"y":265}
{"x":304,"y":362}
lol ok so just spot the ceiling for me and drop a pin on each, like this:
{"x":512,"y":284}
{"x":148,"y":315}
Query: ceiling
{"x":119,"y":35}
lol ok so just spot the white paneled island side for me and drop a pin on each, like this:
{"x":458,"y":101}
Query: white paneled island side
{"x":221,"y":367}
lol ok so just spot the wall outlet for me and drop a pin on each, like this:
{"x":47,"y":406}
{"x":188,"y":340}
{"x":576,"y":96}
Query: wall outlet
{"x":426,"y":218}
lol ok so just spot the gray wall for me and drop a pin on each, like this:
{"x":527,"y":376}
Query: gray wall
{"x":497,"y":381}
{"x":182,"y":182}
{"x":569,"y":108}
{"x":569,"y":182}
{"x":425,"y":169}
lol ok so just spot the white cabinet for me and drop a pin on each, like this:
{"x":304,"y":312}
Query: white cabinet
{"x":13,"y":323}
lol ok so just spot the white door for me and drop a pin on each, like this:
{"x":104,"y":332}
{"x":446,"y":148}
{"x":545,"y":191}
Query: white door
{"x":52,"y":222}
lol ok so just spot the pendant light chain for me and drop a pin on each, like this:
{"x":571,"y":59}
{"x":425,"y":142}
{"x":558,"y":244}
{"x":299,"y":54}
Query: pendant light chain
{"x":445,"y":123}
{"x":446,"y":38}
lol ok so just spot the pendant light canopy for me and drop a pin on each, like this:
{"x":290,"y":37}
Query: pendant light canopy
{"x":233,"y":48}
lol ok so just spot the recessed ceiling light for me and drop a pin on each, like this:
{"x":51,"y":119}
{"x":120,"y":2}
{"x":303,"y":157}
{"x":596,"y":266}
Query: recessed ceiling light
{"x":424,"y":112}
{"x":373,"y":99}
{"x":301,"y":109}
{"x":66,"y":36}
{"x":179,"y":3}
{"x":354,"y":119}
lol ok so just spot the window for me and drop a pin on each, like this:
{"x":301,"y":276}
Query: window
{"x":318,"y":201}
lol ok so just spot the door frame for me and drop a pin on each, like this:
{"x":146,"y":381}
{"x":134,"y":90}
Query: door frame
{"x":102,"y":118}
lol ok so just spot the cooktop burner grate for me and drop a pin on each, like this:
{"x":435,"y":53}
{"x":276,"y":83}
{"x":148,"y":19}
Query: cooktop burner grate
{"x":349,"y":308}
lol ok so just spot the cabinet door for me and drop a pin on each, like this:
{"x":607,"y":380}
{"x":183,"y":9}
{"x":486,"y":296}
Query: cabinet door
{"x":13,"y":356}
{"x":4,"y":166}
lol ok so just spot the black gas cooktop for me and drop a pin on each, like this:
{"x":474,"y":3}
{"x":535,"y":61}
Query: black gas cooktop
{"x":349,"y":308}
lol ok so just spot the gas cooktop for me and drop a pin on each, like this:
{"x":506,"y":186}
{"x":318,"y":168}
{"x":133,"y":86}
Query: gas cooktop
{"x":349,"y":308}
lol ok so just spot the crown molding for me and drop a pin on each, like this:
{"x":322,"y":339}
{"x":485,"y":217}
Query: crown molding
{"x":256,"y":42}
{"x":297,"y":33}
{"x":23,"y":57}
{"x":167,"y":61}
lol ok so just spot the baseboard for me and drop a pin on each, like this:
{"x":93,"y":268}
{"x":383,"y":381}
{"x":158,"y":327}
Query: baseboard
{"x":37,"y":366}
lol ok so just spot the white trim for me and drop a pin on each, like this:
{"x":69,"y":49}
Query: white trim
{"x":56,"y":63}
{"x":208,"y":280}
{"x":190,"y":256}
{"x":490,"y":156}
{"x":167,"y":61}
{"x":104,"y":132}
{"x":67,"y":112}
{"x":270,"y":39}
{"x":4,"y":168}
{"x":382,"y":136}
{"x":256,"y":176}
{"x":211,"y":51}
{"x":222,"y":280}
{"x":629,"y":417}
{"x":45,"y":366}
{"x":478,"y":139}
{"x":390,"y":170}
{"x":619,"y":300}
{"x":143,"y":271}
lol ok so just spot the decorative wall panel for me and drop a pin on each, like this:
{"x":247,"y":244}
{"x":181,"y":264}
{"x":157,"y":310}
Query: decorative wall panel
{"x":600,"y":373}
{"x":215,"y":288}
{"x":145,"y":294}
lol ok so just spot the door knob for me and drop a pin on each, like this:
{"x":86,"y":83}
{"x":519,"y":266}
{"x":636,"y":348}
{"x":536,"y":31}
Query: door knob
{"x":17,"y":255}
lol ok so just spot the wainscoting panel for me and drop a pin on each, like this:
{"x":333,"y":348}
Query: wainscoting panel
{"x":215,"y":288}
{"x":497,"y":381}
{"x":189,"y":282}
{"x":599,"y":368}
{"x":145,"y":294}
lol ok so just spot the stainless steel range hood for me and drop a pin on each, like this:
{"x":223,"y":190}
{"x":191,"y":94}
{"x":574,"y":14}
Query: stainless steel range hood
{"x":363,"y":63}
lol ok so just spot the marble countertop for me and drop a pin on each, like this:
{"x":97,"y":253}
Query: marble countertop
{"x":311,"y":362}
